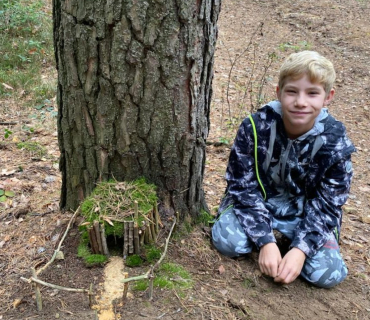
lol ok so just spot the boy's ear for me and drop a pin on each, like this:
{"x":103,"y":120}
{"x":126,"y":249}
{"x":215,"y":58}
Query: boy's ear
{"x":278,"y":92}
{"x":329,"y":97}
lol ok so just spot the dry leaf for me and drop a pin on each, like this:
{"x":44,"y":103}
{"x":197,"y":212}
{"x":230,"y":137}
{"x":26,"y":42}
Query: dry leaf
{"x":221,"y":269}
{"x":224,"y":292}
{"x":16,"y":303}
{"x":6,"y":86}
{"x":365,"y":219}
{"x":5,"y":172}
{"x":364,"y":189}
{"x":257,"y":273}
{"x":108,"y":220}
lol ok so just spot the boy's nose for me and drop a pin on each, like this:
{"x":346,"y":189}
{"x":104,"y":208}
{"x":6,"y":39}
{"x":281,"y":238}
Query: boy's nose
{"x":301,"y":101}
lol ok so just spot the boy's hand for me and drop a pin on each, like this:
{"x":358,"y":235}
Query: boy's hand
{"x":269,"y":259}
{"x":291,"y":266}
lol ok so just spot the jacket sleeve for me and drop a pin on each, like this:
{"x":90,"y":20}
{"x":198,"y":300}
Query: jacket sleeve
{"x":243,"y":188}
{"x":323,"y":212}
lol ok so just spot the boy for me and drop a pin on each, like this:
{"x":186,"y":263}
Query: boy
{"x":290,"y":170}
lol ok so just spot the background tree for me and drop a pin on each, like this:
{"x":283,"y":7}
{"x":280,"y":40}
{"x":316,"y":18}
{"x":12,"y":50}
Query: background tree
{"x":134,"y":91}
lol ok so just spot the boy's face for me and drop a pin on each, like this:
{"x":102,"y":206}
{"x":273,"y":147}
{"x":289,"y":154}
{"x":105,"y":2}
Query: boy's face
{"x":301,"y":102}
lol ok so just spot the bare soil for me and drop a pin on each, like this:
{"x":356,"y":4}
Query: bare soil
{"x":254,"y":38}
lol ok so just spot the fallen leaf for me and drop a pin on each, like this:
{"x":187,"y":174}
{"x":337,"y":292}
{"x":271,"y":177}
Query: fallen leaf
{"x":364,"y":189}
{"x":32,"y":239}
{"x":108,"y":220}
{"x":6,"y":86}
{"x":365,"y":219}
{"x":16,"y":303}
{"x":5,"y":172}
{"x":221,"y":269}
{"x":9,"y":193}
{"x":84,"y":224}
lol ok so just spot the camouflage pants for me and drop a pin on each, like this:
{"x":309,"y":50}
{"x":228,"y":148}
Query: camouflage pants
{"x":326,"y":269}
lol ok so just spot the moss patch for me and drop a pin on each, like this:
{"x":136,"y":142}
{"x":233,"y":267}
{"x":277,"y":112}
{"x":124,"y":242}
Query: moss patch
{"x":83,"y":251}
{"x":134,"y":261}
{"x":113,"y":201}
{"x":169,"y":276}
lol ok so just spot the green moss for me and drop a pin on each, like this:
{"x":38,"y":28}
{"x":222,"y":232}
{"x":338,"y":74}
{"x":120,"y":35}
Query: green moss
{"x":83,"y":250}
{"x":111,"y":197}
{"x":204,"y":218}
{"x":152,"y":254}
{"x":87,"y":205}
{"x":169,"y":276}
{"x":163,"y":282}
{"x":172,"y":270}
{"x":95,"y":259}
{"x":133,"y":261}
{"x":141,"y":285}
{"x":115,"y":230}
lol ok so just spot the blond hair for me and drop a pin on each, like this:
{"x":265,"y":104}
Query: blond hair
{"x":318,"y":69}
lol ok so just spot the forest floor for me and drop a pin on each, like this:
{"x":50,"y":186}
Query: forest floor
{"x":254,"y":38}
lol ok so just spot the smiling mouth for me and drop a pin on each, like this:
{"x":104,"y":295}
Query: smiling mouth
{"x":299,"y":112}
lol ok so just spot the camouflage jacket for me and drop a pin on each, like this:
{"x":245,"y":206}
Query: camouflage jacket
{"x":308,"y":177}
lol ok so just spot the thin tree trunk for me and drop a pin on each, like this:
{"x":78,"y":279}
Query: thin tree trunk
{"x":134,"y":91}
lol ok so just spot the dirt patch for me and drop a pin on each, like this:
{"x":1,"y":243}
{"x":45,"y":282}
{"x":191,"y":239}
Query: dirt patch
{"x":254,"y":38}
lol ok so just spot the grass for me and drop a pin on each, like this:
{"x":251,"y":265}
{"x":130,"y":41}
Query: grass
{"x":33,"y":148}
{"x":169,"y":276}
{"x":302,"y":45}
{"x":26,"y":46}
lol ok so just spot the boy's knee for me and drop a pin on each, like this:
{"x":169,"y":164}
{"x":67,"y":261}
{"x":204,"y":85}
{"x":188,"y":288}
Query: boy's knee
{"x":229,"y":239}
{"x":326,"y":273}
{"x":223,"y":240}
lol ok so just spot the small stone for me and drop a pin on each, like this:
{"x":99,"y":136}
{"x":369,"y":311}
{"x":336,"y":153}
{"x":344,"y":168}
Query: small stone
{"x":40,"y":250}
{"x":57,"y":316}
{"x":49,"y":179}
{"x":59,"y":255}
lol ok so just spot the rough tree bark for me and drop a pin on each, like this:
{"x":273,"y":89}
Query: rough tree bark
{"x":134,"y":91}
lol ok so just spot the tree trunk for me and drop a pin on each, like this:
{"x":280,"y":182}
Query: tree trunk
{"x":134,"y":92}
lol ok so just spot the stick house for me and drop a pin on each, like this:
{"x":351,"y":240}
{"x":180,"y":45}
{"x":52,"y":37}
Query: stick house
{"x":119,"y":212}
